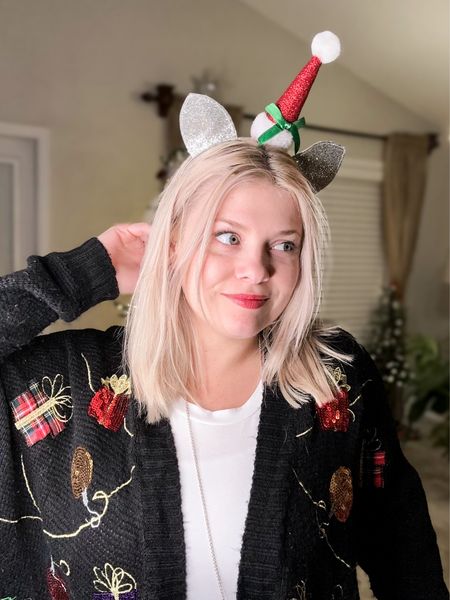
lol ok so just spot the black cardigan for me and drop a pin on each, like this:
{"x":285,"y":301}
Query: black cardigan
{"x":326,"y":494}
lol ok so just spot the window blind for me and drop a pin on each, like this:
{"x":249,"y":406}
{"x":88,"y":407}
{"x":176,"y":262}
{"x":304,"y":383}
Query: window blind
{"x":354,"y":269}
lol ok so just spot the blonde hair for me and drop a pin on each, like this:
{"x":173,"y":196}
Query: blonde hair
{"x":160,"y":349}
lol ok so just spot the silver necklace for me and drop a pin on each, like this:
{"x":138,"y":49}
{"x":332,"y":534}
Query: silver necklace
{"x":205,"y":511}
{"x":202,"y":493}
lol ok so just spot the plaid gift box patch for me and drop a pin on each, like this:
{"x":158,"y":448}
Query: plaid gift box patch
{"x":373,"y":462}
{"x":42,"y":410}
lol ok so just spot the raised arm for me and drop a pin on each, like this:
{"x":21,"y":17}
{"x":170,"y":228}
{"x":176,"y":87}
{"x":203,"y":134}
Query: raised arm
{"x":62,"y":285}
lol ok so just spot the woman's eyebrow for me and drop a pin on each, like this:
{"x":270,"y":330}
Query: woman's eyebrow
{"x":232,"y":223}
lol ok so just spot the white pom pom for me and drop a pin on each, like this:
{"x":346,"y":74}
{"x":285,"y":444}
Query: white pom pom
{"x":261,"y":124}
{"x":326,"y":46}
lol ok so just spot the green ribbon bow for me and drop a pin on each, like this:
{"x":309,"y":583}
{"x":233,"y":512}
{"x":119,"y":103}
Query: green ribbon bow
{"x":280,"y":125}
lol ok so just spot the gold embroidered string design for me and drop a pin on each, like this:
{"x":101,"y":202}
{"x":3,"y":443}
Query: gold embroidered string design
{"x":360,"y":395}
{"x":95,"y":521}
{"x":357,"y":399}
{"x":300,"y":588}
{"x":119,"y":385}
{"x":14,"y":521}
{"x":28,"y":485}
{"x":304,"y":432}
{"x":126,"y":428}
{"x":339,"y":588}
{"x":321,"y":524}
{"x":32,"y":517}
{"x":64,"y":566}
{"x":113,"y":580}
{"x":89,"y":373}
{"x":57,"y":400}
{"x":320,"y":504}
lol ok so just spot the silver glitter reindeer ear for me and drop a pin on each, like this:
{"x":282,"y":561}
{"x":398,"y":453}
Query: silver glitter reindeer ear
{"x":204,"y":123}
{"x":319,"y":163}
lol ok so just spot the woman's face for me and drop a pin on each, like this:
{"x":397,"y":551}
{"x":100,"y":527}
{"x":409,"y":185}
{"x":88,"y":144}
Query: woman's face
{"x":252,"y":264}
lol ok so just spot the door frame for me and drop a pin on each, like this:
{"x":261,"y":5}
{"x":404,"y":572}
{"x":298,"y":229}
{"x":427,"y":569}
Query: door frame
{"x":41,"y":137}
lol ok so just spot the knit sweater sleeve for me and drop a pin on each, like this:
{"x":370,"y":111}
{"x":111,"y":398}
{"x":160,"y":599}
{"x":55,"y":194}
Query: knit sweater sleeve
{"x":60,"y":285}
{"x":396,"y":541}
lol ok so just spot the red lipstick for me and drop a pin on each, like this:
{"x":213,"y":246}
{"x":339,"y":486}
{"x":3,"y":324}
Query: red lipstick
{"x":247,"y":300}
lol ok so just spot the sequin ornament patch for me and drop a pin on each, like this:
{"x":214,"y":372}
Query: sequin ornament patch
{"x":43,"y":409}
{"x":56,"y":588}
{"x":335,"y":414}
{"x":341,"y":493}
{"x":110,"y":403}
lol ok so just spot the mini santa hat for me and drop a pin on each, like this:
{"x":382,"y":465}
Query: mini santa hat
{"x":279,"y":123}
{"x":205,"y":123}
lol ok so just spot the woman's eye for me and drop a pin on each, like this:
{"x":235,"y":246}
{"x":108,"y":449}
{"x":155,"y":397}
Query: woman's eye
{"x":226,"y":237}
{"x":286,"y":246}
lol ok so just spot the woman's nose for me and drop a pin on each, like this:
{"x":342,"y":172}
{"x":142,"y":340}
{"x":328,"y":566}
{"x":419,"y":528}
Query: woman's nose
{"x":255,"y":267}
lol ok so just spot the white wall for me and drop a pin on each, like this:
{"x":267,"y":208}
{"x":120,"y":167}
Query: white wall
{"x":77,"y":67}
{"x":428,"y":291}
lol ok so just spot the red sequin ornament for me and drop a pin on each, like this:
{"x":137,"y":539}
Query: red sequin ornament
{"x":56,"y":587}
{"x":110,"y":404}
{"x":334,"y":415}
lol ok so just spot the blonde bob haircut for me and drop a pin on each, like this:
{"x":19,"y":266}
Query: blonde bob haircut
{"x":160,"y":345}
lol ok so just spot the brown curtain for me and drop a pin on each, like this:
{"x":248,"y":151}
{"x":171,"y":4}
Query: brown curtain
{"x":174,"y":141}
{"x":404,"y":185}
{"x":403,"y":190}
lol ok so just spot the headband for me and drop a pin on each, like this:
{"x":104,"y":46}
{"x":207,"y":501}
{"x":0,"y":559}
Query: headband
{"x":205,"y":123}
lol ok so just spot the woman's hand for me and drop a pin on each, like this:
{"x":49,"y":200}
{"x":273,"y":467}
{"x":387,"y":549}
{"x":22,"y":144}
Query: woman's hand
{"x":125,"y":244}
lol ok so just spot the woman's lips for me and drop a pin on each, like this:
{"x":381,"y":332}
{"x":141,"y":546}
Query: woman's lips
{"x":247,"y":300}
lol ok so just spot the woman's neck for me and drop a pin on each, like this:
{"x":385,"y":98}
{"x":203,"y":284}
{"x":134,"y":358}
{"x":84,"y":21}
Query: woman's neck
{"x":230,"y":373}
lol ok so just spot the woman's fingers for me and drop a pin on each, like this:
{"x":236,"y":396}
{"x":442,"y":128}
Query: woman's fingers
{"x":141,"y":230}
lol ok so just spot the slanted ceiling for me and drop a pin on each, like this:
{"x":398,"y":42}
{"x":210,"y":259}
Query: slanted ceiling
{"x":400,"y":47}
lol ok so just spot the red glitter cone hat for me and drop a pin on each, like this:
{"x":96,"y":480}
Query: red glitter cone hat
{"x":279,"y":124}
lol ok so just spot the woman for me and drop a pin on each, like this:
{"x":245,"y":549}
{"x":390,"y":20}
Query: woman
{"x":228,"y":445}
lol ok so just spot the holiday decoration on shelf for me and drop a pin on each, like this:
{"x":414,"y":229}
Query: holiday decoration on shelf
{"x":170,"y":165}
{"x":206,"y":83}
{"x":42,"y":409}
{"x":110,"y":403}
{"x":387,"y":341}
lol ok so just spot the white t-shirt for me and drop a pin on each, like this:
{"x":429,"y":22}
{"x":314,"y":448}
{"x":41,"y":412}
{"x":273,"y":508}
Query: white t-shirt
{"x":225,"y":441}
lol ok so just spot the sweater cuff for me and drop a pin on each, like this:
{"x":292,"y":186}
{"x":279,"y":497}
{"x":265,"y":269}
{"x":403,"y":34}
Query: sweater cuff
{"x":91,"y":274}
